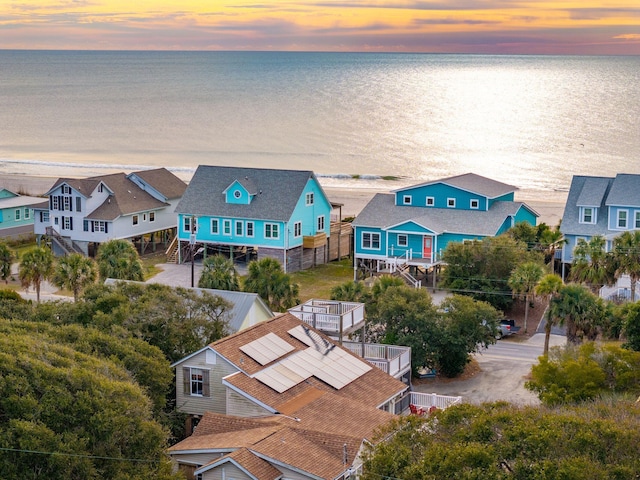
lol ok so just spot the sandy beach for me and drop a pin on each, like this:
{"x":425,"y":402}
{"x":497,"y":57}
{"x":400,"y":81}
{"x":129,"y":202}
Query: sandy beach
{"x":549,"y":205}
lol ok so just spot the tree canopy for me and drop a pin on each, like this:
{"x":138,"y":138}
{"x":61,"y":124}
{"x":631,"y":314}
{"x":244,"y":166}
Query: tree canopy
{"x":498,"y":441}
{"x":74,"y":272}
{"x":71,"y":409}
{"x":267,"y":278}
{"x":119,"y":259}
{"x":219,"y":273}
{"x":36,"y":266}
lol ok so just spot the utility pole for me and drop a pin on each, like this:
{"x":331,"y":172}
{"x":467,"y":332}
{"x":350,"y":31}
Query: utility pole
{"x":192,"y":243}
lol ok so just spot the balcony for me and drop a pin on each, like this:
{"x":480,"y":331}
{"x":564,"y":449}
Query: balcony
{"x":392,"y":359}
{"x":331,"y":317}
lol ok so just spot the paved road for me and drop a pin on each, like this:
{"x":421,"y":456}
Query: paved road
{"x":504,"y":366}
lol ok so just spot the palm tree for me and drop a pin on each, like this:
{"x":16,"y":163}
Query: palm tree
{"x":581,"y":311}
{"x":626,"y":252}
{"x":591,"y":263}
{"x":550,"y":242}
{"x":549,"y":285}
{"x":219,"y":272}
{"x":6,"y":259}
{"x":36,"y":266}
{"x":523,"y":281}
{"x":349,"y":292}
{"x":267,"y":279}
{"x":74,"y":272}
{"x":120,"y":260}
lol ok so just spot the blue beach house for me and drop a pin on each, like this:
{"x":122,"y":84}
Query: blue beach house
{"x":603,"y":206}
{"x":411,"y":226}
{"x":252,"y":213}
{"x":16,"y":213}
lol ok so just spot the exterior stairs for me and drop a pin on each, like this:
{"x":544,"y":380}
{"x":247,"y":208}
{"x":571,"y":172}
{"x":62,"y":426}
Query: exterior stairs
{"x":172,"y":251}
{"x":64,"y":244}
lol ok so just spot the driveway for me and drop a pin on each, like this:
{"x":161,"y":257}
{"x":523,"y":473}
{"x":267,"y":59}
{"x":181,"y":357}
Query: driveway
{"x":503,"y":371}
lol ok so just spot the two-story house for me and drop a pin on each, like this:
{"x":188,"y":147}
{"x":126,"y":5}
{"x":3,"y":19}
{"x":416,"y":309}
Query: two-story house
{"x":256,"y":212}
{"x":605,"y":206}
{"x":83,"y":213}
{"x":413,"y":225}
{"x":16,"y":213}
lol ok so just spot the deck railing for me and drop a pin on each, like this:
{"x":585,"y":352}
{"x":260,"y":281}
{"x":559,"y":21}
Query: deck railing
{"x":329,"y":315}
{"x":428,"y":400}
{"x":391,"y":359}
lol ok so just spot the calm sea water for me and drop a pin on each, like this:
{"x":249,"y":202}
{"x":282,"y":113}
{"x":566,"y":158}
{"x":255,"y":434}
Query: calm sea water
{"x":531,"y":121}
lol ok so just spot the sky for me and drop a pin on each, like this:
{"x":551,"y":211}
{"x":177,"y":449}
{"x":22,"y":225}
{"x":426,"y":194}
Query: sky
{"x":582,"y":27}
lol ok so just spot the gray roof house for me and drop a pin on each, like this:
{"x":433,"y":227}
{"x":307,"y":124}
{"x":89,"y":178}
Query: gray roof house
{"x":604,"y":206}
{"x":255,"y":212}
{"x":411,"y":226}
{"x":82,"y":213}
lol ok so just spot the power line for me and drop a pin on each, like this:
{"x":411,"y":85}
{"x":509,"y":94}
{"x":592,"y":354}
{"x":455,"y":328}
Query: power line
{"x":78,"y":455}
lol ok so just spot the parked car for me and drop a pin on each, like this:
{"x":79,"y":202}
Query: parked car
{"x":506,"y":328}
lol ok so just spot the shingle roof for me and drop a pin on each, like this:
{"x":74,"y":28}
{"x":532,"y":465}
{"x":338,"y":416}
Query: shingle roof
{"x":373,"y":388}
{"x":474,"y":183}
{"x":257,"y":467}
{"x":21,"y":201}
{"x":571,"y":217}
{"x":625,"y":191}
{"x":163,"y":181}
{"x":278,"y":192}
{"x":382,"y":212}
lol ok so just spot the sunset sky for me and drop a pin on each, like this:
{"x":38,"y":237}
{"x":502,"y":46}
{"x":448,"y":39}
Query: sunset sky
{"x":457,"y":26}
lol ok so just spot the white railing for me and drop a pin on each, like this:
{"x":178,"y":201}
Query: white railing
{"x":391,"y":359}
{"x":427,"y":400}
{"x":329,"y":315}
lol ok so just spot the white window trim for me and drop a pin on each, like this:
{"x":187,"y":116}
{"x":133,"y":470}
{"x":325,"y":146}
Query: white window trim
{"x":430,"y":201}
{"x":406,"y":199}
{"x":237,"y":194}
{"x":637,"y":219}
{"x":217,"y":224}
{"x":319,"y":221}
{"x":271,"y":236}
{"x":626,"y":221}
{"x":297,"y":229}
{"x":594,"y":218}
{"x":135,"y":220}
{"x":477,"y":204}
{"x":27,"y":213}
{"x":451,"y":202}
{"x":239,"y":223}
{"x":406,"y":240}
{"x":253,"y":229}
{"x":226,"y":227}
{"x":152,"y":217}
{"x":18,"y":214}
{"x":309,"y":199}
{"x":371,"y":242}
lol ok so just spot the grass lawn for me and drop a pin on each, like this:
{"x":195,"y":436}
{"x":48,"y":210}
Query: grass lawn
{"x":317,"y":282}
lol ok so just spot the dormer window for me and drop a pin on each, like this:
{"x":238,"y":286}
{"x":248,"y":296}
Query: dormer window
{"x":588,"y":215}
{"x":406,"y":200}
{"x":237,"y":193}
{"x":474,"y":204}
{"x":431,"y":201}
{"x":66,"y":190}
{"x":100,"y":188}
{"x":451,"y":202}
{"x":622,"y":218}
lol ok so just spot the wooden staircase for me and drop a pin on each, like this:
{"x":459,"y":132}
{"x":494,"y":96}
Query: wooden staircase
{"x":402,"y":271}
{"x":172,"y":251}
{"x":65,"y":245}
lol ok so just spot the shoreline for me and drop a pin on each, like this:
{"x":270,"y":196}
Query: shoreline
{"x":548,"y":204}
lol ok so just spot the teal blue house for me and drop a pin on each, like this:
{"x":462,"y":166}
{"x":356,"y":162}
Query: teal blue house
{"x":251,"y":213}
{"x":413,"y":225}
{"x":16,"y":213}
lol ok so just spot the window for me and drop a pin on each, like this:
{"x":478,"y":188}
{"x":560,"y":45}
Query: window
{"x":144,"y":217}
{"x":239,"y":228}
{"x":78,"y":204}
{"x":85,"y":225}
{"x":196,"y":381}
{"x":403,"y":240}
{"x":55,"y":220}
{"x":135,"y":219}
{"x":371,"y":240}
{"x":297,"y":229}
{"x":215,"y":226}
{"x":406,"y":199}
{"x":236,"y":193}
{"x":27,"y":214}
{"x":55,"y":203}
{"x":622,"y":218}
{"x":67,"y":203}
{"x":99,"y":226}
{"x":66,"y":190}
{"x":588,"y":215}
{"x":101,"y":188}
{"x":18,"y":214}
{"x":431,"y":201}
{"x":309,"y":199}
{"x":451,"y":202}
{"x":186,"y":224}
{"x":44,"y":217}
{"x":637,"y":219}
{"x":226,"y":227}
{"x":249,"y":229}
{"x":152,"y":216}
{"x":475,"y":203}
{"x":67,"y":223}
{"x":320,"y":223}
{"x":271,"y":230}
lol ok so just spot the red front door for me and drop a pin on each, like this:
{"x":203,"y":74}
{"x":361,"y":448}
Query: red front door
{"x":427,"y":247}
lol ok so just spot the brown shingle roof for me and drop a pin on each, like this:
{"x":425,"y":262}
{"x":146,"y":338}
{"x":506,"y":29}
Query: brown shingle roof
{"x":164,"y":181}
{"x":256,"y":466}
{"x":373,"y":388}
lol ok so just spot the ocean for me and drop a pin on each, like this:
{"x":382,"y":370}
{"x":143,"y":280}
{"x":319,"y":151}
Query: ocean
{"x":356,"y":119}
